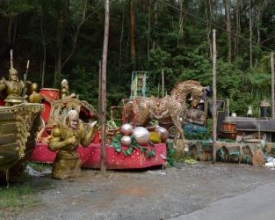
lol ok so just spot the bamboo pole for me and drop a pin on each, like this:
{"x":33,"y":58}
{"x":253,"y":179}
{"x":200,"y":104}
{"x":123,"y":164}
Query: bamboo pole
{"x":103,"y":89}
{"x":214,"y":127}
{"x":272,"y":83}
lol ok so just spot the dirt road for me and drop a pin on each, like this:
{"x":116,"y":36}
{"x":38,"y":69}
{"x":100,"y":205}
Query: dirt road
{"x":135,"y":195}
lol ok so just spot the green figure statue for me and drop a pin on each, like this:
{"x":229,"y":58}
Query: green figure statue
{"x":66,"y":139}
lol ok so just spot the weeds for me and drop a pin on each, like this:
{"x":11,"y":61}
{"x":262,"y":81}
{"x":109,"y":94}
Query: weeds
{"x":17,"y":196}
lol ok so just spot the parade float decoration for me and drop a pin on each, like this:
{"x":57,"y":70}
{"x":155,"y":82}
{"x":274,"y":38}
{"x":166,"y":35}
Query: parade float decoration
{"x":131,"y":146}
{"x":240,"y":139}
{"x":135,"y":140}
{"x":19,"y":124}
{"x":18,"y":127}
{"x":167,"y":110}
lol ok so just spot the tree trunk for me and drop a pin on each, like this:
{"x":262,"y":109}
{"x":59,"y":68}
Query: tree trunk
{"x":61,"y":25}
{"x":76,"y":34}
{"x":250,"y":35}
{"x":42,"y":29}
{"x":11,"y":31}
{"x":155,"y":16}
{"x":259,"y":9}
{"x":228,"y":27}
{"x":208,"y":15}
{"x":272,"y":84}
{"x":121,"y":43}
{"x":132,"y":33}
{"x":238,"y":29}
{"x":181,"y":18}
{"x":149,"y":30}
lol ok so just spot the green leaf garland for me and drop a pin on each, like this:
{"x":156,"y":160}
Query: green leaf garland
{"x":134,"y":145}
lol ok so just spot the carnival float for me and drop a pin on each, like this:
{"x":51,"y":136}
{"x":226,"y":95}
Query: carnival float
{"x":150,"y":127}
{"x":20,"y":121}
{"x":129,"y":146}
{"x":239,"y":139}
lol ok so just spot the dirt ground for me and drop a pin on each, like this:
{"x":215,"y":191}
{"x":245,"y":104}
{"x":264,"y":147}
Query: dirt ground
{"x":150,"y":194}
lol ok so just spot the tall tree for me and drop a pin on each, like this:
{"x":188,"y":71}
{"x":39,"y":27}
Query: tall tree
{"x":132,"y":33}
{"x":62,"y":9}
{"x":227,"y":4}
{"x":208,"y":13}
{"x":237,"y":9}
{"x":71,"y":15}
{"x":181,"y":17}
{"x":11,"y":11}
{"x":250,"y":34}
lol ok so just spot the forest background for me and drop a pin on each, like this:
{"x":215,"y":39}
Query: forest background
{"x":64,"y":39}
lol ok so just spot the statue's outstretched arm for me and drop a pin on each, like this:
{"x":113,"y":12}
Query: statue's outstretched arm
{"x":88,"y":137}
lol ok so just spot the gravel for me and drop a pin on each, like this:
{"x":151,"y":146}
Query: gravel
{"x":153,"y":193}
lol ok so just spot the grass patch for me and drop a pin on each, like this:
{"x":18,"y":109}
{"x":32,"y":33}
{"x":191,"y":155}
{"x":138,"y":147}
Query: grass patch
{"x":182,"y":156}
{"x":177,"y":155}
{"x":16,"y":197}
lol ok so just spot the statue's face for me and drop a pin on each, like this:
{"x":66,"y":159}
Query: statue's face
{"x":65,"y":84}
{"x":13,"y":75}
{"x":73,"y":122}
{"x":197,"y":94}
{"x":195,"y":102}
{"x":34,"y":86}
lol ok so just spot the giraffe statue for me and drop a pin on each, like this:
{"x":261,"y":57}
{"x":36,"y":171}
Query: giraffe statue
{"x":139,"y":110}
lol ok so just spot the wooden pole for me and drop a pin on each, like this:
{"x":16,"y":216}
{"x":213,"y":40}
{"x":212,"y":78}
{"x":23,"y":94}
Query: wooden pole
{"x":103,"y":89}
{"x":272,"y":84}
{"x":100,"y":88}
{"x":214,"y":127}
{"x":162,"y":83}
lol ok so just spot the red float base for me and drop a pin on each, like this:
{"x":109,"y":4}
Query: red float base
{"x":90,"y":157}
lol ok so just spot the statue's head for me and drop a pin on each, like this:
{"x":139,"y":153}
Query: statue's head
{"x":197,"y":94}
{"x":64,"y":83}
{"x":34,"y":87}
{"x":13,"y":74}
{"x":72,"y":119}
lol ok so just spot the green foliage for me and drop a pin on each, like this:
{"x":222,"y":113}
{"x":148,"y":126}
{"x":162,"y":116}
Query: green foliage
{"x":170,"y":148}
{"x":158,"y":60}
{"x":85,"y":84}
{"x":181,"y":50}
{"x":193,"y":64}
{"x":15,"y":7}
{"x":20,"y":196}
{"x":116,"y":142}
{"x":209,"y":125}
{"x":134,"y":145}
